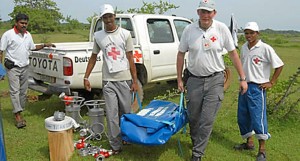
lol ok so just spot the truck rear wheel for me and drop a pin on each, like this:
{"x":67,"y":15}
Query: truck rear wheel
{"x":87,"y":95}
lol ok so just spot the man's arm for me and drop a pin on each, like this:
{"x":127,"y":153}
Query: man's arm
{"x":238,"y":66}
{"x":276,"y":74}
{"x":41,"y":46}
{"x":179,"y":67}
{"x":132,"y":66}
{"x":89,"y":68}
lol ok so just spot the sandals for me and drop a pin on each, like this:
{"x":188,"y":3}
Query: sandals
{"x":20,"y":124}
{"x":243,"y":146}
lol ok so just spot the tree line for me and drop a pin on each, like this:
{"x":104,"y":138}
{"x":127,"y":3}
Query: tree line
{"x":45,"y":16}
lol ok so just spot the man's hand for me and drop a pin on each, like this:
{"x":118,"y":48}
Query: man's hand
{"x":266,"y":85}
{"x":87,"y":84}
{"x":49,"y":45}
{"x":180,"y":85}
{"x":243,"y":87}
{"x":134,"y":87}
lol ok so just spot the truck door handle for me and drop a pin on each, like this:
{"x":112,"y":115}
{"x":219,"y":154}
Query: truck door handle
{"x":156,"y":52}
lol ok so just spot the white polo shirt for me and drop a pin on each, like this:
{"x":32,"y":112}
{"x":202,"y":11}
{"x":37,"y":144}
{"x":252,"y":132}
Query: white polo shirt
{"x":17,"y":47}
{"x":206,"y":47}
{"x":258,"y":62}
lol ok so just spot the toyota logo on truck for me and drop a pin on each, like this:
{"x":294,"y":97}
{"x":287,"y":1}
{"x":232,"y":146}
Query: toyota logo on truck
{"x":43,"y":63}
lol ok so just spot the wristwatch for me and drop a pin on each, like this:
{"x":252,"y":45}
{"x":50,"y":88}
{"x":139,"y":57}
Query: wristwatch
{"x":242,"y":79}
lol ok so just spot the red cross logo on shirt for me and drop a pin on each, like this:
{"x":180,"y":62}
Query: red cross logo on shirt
{"x":137,"y":55}
{"x":114,"y":53}
{"x":256,"y":60}
{"x":213,"y":39}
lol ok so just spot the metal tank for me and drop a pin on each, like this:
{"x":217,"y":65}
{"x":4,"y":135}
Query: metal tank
{"x":96,"y":115}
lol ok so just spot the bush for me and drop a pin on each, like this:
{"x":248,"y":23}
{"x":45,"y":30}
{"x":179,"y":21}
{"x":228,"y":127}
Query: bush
{"x":283,"y":101}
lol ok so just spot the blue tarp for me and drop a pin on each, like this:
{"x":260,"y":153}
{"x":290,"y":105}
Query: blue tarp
{"x":2,"y":71}
{"x":155,"y":124}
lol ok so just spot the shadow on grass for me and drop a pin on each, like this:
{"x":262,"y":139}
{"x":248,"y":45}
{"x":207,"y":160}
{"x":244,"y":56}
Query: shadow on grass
{"x":44,"y":151}
{"x":218,"y":137}
{"x":177,"y":148}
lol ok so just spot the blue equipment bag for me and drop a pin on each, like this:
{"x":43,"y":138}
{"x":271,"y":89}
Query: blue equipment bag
{"x":2,"y":71}
{"x":2,"y":145}
{"x":155,"y":124}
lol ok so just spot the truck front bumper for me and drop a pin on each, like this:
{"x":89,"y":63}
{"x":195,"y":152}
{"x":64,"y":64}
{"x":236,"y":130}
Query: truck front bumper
{"x":48,"y":89}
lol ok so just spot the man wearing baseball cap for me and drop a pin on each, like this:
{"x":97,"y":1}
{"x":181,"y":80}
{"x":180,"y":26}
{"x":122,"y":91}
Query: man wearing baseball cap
{"x":205,"y":40}
{"x":118,"y":72}
{"x":257,"y":58}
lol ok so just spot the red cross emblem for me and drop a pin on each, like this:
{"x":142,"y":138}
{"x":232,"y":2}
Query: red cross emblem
{"x":213,"y":39}
{"x":114,"y":53}
{"x":256,"y":60}
{"x":137,"y":55}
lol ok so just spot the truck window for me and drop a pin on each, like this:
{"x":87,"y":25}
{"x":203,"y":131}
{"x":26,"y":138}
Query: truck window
{"x":126,"y":24}
{"x":98,"y":25}
{"x":180,"y":25}
{"x":123,"y":22}
{"x":160,"y":31}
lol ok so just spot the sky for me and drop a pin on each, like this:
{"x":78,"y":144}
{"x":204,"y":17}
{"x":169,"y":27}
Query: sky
{"x":269,"y":14}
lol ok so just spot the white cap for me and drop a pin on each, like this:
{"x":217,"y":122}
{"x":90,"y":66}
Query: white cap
{"x":251,"y":26}
{"x":106,"y":8}
{"x":208,"y":5}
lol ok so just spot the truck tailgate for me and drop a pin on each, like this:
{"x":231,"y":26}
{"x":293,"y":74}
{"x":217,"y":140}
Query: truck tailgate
{"x":47,"y":66}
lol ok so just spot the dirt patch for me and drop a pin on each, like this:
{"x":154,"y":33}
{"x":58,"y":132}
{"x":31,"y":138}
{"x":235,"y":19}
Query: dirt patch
{"x":30,"y":98}
{"x":4,"y":93}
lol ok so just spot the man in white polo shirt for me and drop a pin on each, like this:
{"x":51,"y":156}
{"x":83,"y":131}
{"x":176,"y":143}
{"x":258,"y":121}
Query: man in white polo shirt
{"x":257,"y":58}
{"x":17,"y":44}
{"x":205,"y":40}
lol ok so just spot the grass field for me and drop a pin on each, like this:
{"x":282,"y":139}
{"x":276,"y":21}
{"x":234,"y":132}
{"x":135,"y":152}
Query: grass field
{"x":31,"y":143}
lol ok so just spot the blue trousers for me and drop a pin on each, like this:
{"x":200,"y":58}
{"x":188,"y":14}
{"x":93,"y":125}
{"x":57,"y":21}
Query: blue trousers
{"x":252,"y":113}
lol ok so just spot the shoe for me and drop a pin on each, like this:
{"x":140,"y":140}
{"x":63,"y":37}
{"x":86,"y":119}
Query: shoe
{"x":20,"y":124}
{"x":261,"y":156}
{"x":194,"y":158}
{"x":243,"y":146}
{"x":116,"y":152}
{"x":125,"y":142}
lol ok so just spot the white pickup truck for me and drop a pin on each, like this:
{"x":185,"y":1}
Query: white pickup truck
{"x":155,"y":38}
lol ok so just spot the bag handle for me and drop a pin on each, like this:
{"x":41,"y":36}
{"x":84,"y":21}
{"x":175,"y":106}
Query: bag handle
{"x":136,"y":95}
{"x":181,"y":103}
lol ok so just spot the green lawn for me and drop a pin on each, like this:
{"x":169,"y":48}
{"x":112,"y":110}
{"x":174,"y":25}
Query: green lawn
{"x":31,"y":143}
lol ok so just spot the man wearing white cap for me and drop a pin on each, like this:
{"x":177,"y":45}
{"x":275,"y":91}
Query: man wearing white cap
{"x":118,"y":72}
{"x":205,"y":40}
{"x":257,"y":58}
